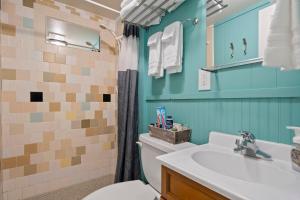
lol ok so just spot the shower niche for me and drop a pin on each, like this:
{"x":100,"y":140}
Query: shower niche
{"x":68,"y":34}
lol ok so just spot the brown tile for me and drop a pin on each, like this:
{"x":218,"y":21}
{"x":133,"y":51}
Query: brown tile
{"x":28,"y":3}
{"x":8,"y":74}
{"x":92,"y":131}
{"x":76,"y":160}
{"x":80,"y":150}
{"x":23,"y":160}
{"x":60,"y":78}
{"x":85,"y":123}
{"x":99,"y":114}
{"x":60,"y":59}
{"x":30,"y":148}
{"x":8,"y":163}
{"x":71,"y":97}
{"x":48,"y":57}
{"x":8,"y":29}
{"x":53,"y":77}
{"x":54,"y":107}
{"x":30,"y":169}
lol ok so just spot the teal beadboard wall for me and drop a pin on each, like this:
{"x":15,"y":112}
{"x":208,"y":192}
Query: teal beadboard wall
{"x":262,"y":100}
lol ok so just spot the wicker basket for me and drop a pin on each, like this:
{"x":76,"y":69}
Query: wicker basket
{"x":174,"y":137}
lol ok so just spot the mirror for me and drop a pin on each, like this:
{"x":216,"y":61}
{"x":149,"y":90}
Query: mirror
{"x":68,"y":34}
{"x":227,"y":43}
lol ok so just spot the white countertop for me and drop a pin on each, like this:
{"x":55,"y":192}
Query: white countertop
{"x":268,"y":186}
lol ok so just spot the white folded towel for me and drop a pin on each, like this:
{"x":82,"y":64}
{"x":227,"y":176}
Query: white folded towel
{"x":155,"y":68}
{"x":172,"y":45}
{"x":283,"y":44}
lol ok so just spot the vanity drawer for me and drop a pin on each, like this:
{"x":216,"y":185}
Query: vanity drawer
{"x":178,"y":187}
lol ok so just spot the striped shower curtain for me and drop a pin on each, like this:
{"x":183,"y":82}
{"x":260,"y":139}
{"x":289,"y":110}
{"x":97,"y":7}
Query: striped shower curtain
{"x":128,"y":164}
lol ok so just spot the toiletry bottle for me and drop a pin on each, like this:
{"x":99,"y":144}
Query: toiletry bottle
{"x":295,"y":152}
{"x":169,"y":122}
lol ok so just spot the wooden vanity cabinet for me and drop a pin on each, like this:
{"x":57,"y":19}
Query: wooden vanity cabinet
{"x":177,"y":187}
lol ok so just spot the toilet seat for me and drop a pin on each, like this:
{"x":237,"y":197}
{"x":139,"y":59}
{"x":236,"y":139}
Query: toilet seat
{"x":131,"y":190}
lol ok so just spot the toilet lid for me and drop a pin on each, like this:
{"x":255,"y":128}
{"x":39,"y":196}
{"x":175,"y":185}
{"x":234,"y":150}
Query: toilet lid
{"x":131,"y":190}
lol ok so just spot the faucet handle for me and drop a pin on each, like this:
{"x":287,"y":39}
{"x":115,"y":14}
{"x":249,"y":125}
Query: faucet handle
{"x":248,"y":136}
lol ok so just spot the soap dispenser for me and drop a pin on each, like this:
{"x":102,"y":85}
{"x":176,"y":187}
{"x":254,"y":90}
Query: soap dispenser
{"x":295,"y":152}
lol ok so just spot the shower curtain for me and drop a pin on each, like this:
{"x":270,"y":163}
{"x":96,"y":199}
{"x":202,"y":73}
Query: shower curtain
{"x":128,"y":164}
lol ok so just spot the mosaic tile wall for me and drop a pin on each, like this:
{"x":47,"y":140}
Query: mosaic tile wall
{"x":58,"y":103}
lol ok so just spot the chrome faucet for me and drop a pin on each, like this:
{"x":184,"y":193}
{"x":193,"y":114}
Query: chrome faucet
{"x":248,"y":147}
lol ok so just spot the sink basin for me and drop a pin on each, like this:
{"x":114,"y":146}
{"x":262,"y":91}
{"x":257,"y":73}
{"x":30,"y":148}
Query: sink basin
{"x":217,"y":167}
{"x":244,"y":168}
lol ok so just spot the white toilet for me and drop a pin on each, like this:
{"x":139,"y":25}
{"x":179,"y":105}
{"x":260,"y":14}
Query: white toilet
{"x":137,"y":190}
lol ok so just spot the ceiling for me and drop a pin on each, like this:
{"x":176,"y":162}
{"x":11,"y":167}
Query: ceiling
{"x":81,"y":4}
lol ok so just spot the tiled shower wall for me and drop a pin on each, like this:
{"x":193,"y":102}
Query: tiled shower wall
{"x":58,"y":103}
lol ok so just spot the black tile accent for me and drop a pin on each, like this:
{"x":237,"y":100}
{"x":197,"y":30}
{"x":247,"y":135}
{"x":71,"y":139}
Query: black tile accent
{"x":106,"y":98}
{"x":36,"y":96}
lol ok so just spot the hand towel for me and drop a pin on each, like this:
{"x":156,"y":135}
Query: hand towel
{"x":172,"y":44}
{"x":154,"y":44}
{"x":283,"y":43}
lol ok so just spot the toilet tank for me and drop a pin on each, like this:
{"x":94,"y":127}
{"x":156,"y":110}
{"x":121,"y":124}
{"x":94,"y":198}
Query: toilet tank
{"x":151,"y":148}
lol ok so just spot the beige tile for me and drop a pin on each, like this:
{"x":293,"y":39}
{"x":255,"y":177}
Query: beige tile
{"x":43,"y":167}
{"x":8,"y":96}
{"x":95,"y":89}
{"x":60,"y":59}
{"x":48,"y":136}
{"x":43,"y":147}
{"x":48,"y":57}
{"x":16,"y":172}
{"x":16,"y":129}
{"x":23,"y":75}
{"x":65,"y":162}
{"x":8,"y":29}
{"x":54,"y":107}
{"x":76,"y":124}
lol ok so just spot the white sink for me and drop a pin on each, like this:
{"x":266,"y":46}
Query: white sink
{"x":216,"y":166}
{"x":244,"y":168}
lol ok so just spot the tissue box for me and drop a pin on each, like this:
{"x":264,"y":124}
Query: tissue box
{"x":174,"y":137}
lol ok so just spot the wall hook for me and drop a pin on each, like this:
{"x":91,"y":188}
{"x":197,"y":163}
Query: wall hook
{"x":232,"y":50}
{"x":245,"y":46}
